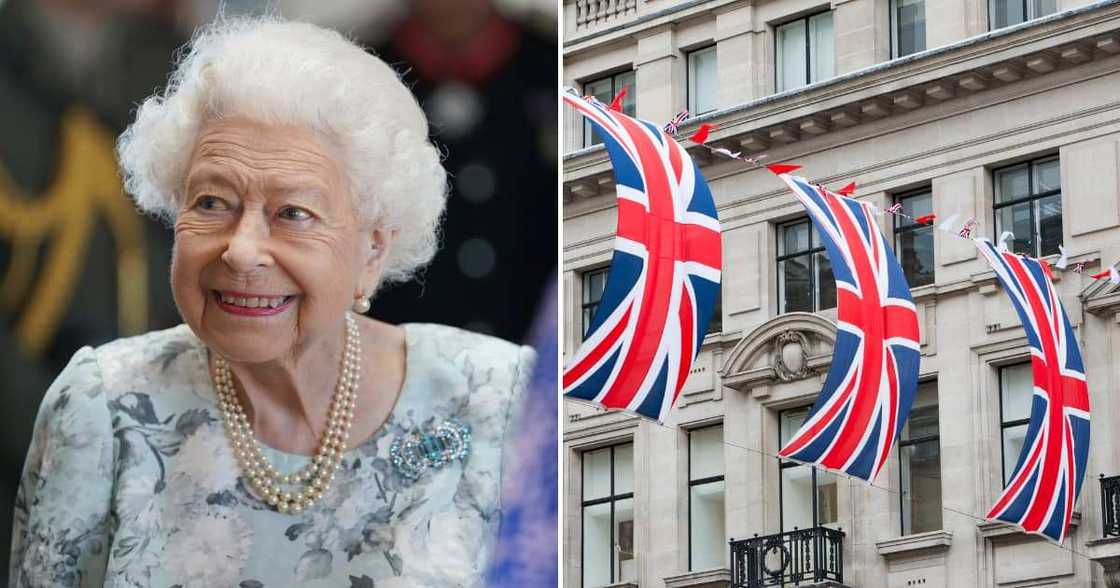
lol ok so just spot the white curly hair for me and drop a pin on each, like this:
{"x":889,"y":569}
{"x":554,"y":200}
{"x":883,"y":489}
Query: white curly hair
{"x":281,"y":72}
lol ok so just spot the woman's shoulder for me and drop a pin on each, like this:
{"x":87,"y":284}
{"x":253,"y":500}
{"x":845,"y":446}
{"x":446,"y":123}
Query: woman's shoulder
{"x":150,"y":358}
{"x":449,"y":353}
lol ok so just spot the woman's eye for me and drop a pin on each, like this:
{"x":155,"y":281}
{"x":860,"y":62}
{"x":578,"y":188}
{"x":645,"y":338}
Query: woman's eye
{"x":295,"y":214}
{"x":210,"y":203}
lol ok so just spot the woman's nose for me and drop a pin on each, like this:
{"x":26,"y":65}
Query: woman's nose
{"x":247,"y":249}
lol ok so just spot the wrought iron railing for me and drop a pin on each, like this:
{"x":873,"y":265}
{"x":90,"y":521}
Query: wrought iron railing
{"x":792,"y":558}
{"x":1110,"y":505}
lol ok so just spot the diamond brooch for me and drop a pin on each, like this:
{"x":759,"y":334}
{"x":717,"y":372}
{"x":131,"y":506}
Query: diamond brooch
{"x":417,"y":451}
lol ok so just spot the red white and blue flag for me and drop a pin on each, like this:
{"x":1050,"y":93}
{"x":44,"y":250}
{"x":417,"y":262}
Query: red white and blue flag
{"x":664,"y":276}
{"x":874,"y":375}
{"x":1041,"y":493}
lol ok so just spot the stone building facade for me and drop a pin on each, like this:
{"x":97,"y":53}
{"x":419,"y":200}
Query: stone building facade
{"x":999,"y":110}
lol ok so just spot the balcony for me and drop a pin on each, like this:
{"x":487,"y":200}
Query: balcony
{"x":1106,"y":550}
{"x":1110,"y":505}
{"x":795,"y":558}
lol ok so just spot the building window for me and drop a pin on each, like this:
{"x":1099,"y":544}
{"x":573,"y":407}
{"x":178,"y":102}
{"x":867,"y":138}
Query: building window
{"x":707,"y":543}
{"x":1016,"y":392}
{"x":593,"y":284}
{"x":805,"y":51}
{"x":908,"y":27}
{"x":605,"y":89}
{"x":1029,"y":204}
{"x":913,"y":243}
{"x":1005,"y":13}
{"x":608,"y":515}
{"x":808,"y":495}
{"x":919,"y":458}
{"x":804,"y":273}
{"x":702,"y":81}
{"x":716,"y":324}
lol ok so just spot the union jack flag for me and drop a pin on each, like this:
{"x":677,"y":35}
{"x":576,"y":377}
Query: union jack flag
{"x":664,"y":276}
{"x":1046,"y":481}
{"x":674,"y":124}
{"x":874,"y":375}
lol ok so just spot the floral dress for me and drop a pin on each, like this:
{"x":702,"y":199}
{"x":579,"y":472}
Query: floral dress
{"x":130,"y":479}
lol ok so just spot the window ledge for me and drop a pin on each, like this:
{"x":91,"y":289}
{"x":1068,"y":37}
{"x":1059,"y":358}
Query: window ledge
{"x":622,"y":584}
{"x":908,"y":545}
{"x":995,"y":531}
{"x":713,"y":578}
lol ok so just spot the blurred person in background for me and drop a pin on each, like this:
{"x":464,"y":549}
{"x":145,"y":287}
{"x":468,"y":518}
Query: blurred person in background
{"x":78,"y":266}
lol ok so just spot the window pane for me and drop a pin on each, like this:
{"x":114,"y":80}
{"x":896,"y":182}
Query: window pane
{"x":791,"y":56}
{"x":797,"y":497}
{"x":593,"y":284}
{"x":822,"y":61}
{"x":626,"y":567}
{"x":789,"y":421}
{"x":915,"y":252}
{"x":705,"y":453}
{"x":629,"y":102}
{"x":794,"y":238}
{"x":1047,"y":176}
{"x":623,"y":468}
{"x":709,"y":545}
{"x":702,"y":81}
{"x":1013,"y":438}
{"x":1043,"y":7}
{"x":1007,"y":13}
{"x":588,"y":314}
{"x":597,"y":545}
{"x":910,"y":16}
{"x":1049,"y":214}
{"x":793,"y":285}
{"x":597,"y":473}
{"x":914,"y":206}
{"x":715,"y":325}
{"x":1011,"y":183}
{"x":827,"y":499}
{"x":826,"y":285}
{"x":923,"y":421}
{"x":1016,"y":392}
{"x":921,"y":487}
{"x":1017,"y":219}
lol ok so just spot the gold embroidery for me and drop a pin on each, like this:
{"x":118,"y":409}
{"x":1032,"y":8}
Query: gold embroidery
{"x":86,"y":184}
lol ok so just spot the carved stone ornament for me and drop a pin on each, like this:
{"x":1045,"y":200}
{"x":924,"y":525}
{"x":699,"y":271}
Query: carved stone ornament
{"x":791,"y":356}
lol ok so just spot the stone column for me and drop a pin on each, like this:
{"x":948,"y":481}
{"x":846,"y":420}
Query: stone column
{"x":660,"y":76}
{"x":862,"y":36}
{"x":739,"y":56}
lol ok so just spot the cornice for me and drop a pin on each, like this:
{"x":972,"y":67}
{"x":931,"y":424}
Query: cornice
{"x":939,"y":76}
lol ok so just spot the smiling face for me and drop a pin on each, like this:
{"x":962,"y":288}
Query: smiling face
{"x":268,"y":254}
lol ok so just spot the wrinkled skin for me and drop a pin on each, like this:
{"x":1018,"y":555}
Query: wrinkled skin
{"x":268,"y":210}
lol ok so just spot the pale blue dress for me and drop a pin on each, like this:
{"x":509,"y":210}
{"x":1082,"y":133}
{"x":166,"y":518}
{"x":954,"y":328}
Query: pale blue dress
{"x":130,"y":480}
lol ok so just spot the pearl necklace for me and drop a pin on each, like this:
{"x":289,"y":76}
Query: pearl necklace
{"x":314,"y":479}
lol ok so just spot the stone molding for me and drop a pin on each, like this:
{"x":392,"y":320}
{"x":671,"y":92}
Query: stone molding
{"x":780,"y":350}
{"x":1106,"y":552}
{"x":917,"y":544}
{"x":1002,"y":532}
{"x":713,"y":578}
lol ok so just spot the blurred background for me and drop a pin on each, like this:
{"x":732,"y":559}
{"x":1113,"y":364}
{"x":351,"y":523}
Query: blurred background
{"x":78,"y":265}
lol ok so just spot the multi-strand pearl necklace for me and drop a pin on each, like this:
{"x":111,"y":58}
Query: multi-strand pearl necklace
{"x":297,"y":491}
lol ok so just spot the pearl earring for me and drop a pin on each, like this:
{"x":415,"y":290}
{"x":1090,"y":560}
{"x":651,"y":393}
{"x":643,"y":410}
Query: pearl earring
{"x":361,"y":304}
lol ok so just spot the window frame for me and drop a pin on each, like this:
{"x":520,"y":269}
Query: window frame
{"x":688,"y":70}
{"x":808,"y":49}
{"x":612,"y":498}
{"x":1028,"y":15}
{"x":584,"y":317}
{"x":895,"y":37}
{"x":900,"y":229}
{"x":700,"y":482}
{"x":811,"y":252}
{"x":1030,"y":198}
{"x":784,"y":464}
{"x":1004,"y":424}
{"x":918,"y":441}
{"x":588,"y":137}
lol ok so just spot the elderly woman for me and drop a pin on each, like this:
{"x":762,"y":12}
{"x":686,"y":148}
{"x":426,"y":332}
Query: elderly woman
{"x":278,"y":437}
